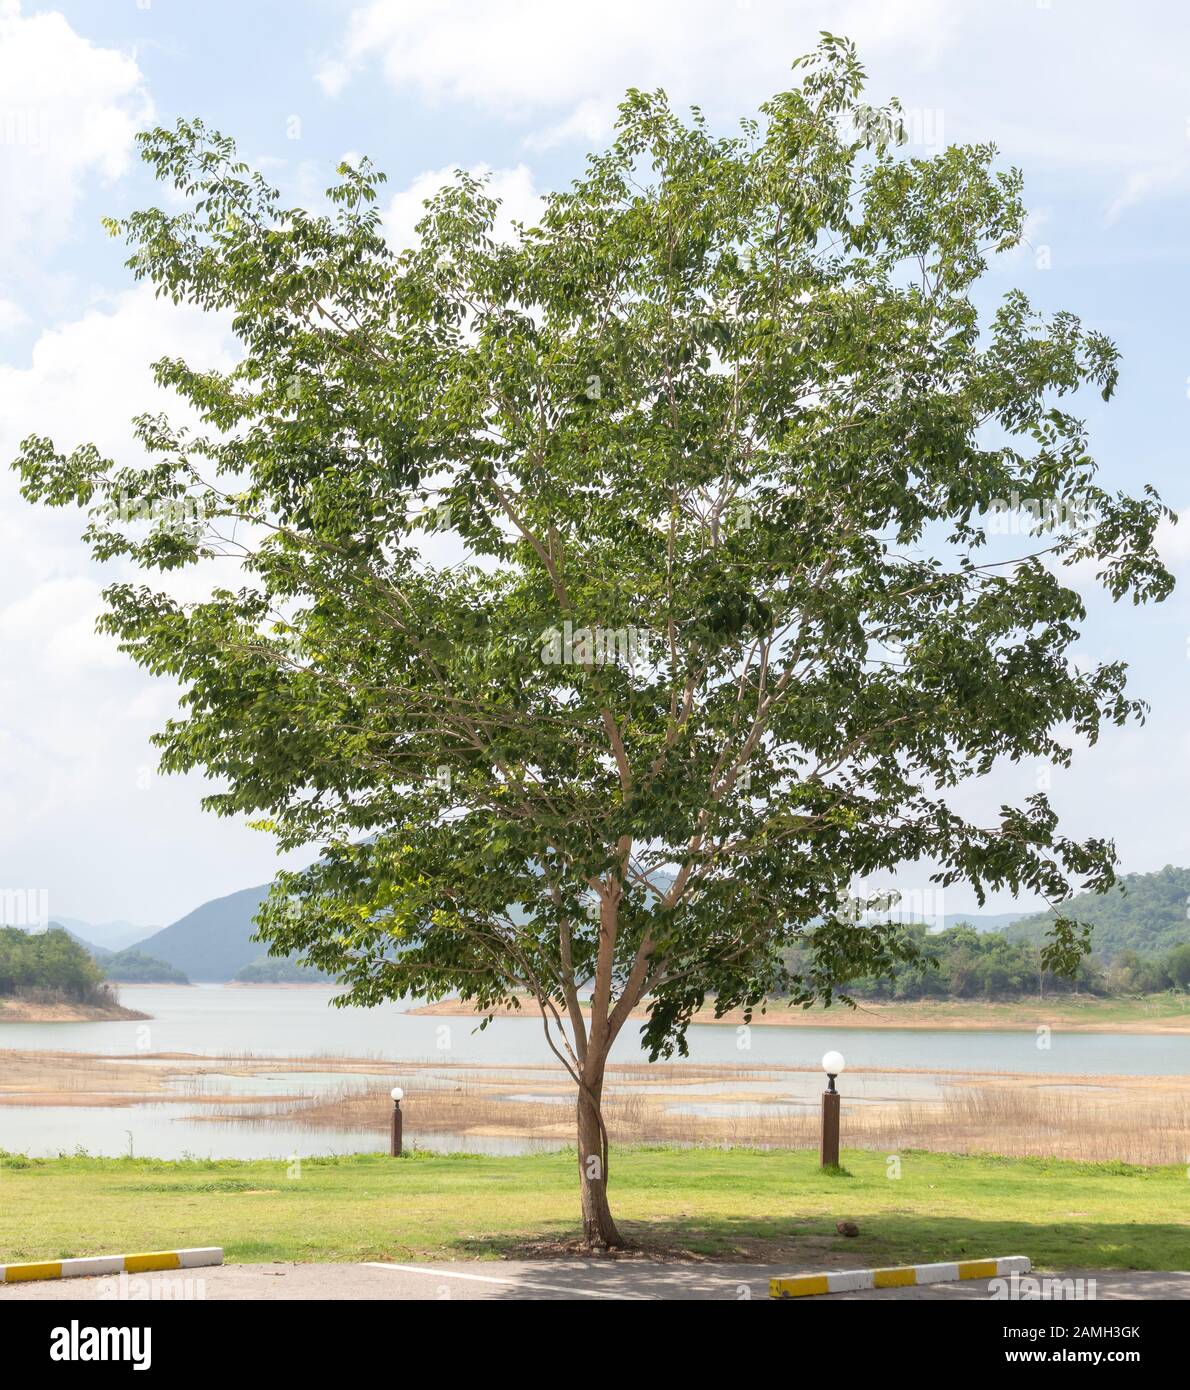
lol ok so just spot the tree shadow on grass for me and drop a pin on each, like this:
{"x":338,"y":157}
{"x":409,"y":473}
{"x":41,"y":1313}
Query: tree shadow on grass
{"x":812,"y":1243}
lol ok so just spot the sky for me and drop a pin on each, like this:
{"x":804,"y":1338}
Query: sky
{"x":1089,"y":99}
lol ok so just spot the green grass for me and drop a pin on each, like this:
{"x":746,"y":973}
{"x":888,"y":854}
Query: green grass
{"x":726,"y":1204}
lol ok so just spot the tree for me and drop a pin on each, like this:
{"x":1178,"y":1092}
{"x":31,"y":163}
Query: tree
{"x":134,"y":967}
{"x":717,"y":444}
{"x":51,"y":960}
{"x":1177,"y":966}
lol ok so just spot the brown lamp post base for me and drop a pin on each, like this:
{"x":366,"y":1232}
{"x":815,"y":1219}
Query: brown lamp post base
{"x":829,"y":1151}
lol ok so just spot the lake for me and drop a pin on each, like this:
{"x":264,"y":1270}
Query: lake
{"x":279,"y":1022}
{"x":282,"y":1022}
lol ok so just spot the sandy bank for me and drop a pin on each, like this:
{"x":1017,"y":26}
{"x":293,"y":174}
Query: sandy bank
{"x":26,"y":1011}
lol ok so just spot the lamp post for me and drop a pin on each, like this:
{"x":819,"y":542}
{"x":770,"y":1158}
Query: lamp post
{"x":394,"y":1147}
{"x":832,"y":1064}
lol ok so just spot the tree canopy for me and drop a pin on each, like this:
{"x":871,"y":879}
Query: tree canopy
{"x":602,"y":602}
{"x":51,"y":960}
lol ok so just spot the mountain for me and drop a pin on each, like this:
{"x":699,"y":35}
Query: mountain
{"x":212,"y":942}
{"x":99,"y":954}
{"x":110,"y":936}
{"x":1145,"y":913}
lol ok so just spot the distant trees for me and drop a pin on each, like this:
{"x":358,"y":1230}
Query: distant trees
{"x":1132,"y":973}
{"x":136,"y":968}
{"x":962,"y":963}
{"x":268,"y":970}
{"x":1140,"y":944}
{"x":1177,"y":966}
{"x":52,"y":961}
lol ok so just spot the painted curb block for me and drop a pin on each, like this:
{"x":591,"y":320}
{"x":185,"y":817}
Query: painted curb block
{"x":904,"y":1276}
{"x":113,"y":1264}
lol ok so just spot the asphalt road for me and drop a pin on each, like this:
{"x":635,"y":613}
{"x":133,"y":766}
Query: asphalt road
{"x":636,"y":1280}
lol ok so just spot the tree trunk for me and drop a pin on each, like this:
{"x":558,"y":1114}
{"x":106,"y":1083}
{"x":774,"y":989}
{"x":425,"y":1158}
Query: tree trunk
{"x":598,"y":1227}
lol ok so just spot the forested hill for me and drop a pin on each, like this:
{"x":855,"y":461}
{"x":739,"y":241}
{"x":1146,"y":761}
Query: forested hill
{"x":50,"y":961}
{"x":212,"y":942}
{"x":1145,"y":913}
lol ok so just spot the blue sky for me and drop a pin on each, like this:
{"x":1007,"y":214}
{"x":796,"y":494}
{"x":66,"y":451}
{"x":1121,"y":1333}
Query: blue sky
{"x":1089,"y":99}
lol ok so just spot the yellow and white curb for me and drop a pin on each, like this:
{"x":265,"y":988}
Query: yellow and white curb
{"x":904,"y":1276}
{"x":113,"y":1264}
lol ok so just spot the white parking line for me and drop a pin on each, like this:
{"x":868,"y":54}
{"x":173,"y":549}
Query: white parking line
{"x":514,"y":1283}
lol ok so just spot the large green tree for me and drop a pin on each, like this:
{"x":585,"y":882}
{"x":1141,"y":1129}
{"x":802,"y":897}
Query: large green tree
{"x":716,"y":443}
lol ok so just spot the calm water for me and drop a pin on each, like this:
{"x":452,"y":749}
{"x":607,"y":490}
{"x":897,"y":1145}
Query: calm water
{"x":213,"y":1019}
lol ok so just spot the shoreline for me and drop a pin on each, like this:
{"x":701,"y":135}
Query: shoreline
{"x":976,"y":1017}
{"x":225,"y":984}
{"x":281,"y":984}
{"x":26,"y":1011}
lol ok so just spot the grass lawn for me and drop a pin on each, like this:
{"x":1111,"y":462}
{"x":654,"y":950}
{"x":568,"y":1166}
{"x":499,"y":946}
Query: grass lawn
{"x":709,"y":1203}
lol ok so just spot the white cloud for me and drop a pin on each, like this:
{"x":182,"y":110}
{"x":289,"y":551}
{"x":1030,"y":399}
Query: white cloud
{"x":1161,"y":180}
{"x":586,"y":123}
{"x":11,"y":316}
{"x":54,"y":624}
{"x":83,"y":382}
{"x":76,"y":714}
{"x":1172,"y":542}
{"x":1083,"y":89}
{"x":512,"y":187}
{"x":573,"y":62}
{"x":87,"y":378}
{"x":154,"y":704}
{"x":68,"y":112}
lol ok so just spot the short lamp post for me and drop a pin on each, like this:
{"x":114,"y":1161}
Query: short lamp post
{"x":832,"y":1064}
{"x":394,"y":1147}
